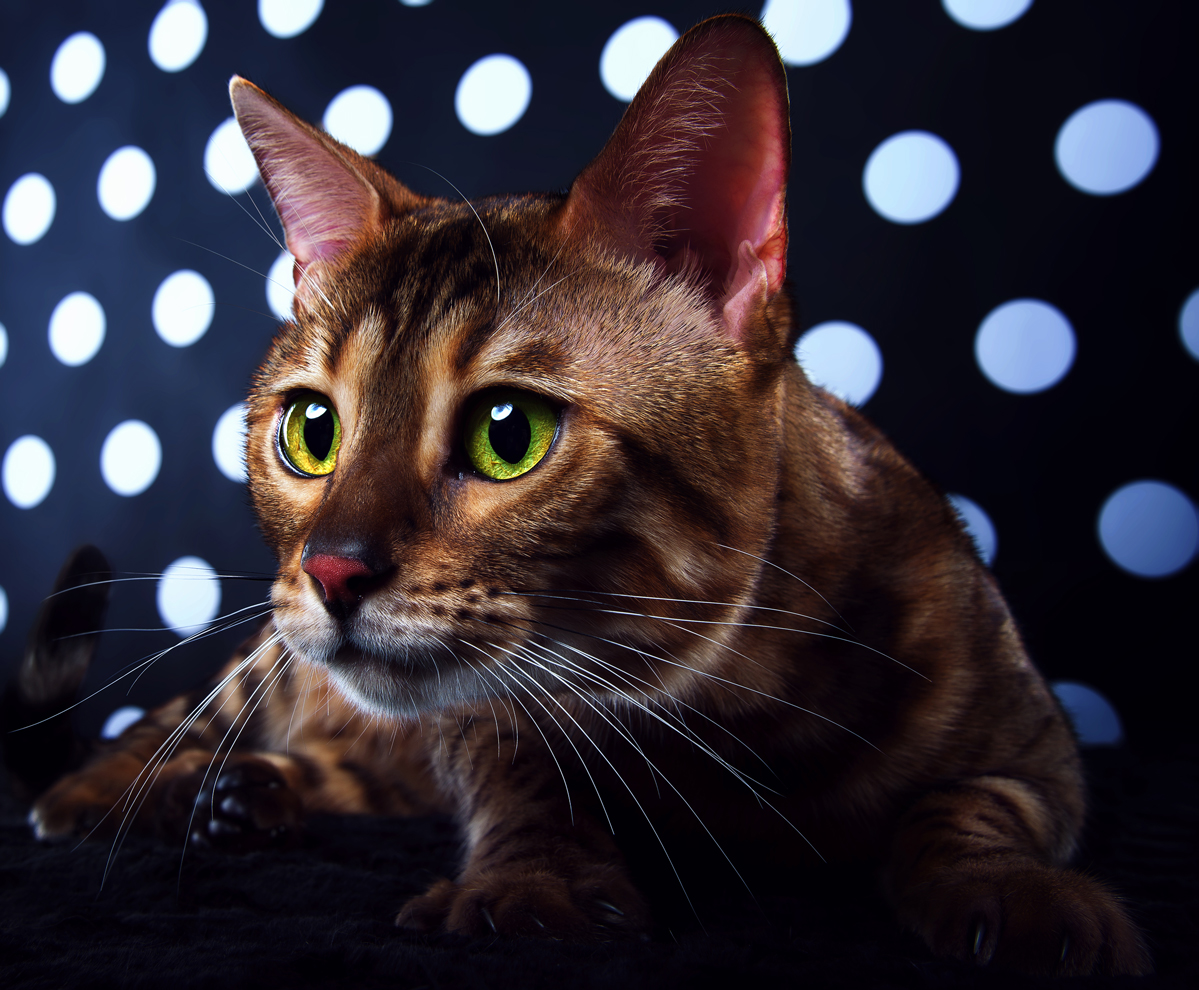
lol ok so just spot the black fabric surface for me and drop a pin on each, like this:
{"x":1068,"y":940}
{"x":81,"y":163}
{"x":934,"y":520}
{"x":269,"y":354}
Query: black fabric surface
{"x":321,"y":916}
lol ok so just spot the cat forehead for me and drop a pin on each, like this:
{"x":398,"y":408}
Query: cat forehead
{"x":490,"y":290}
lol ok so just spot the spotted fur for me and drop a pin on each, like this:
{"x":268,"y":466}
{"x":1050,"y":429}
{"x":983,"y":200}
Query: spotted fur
{"x":722,"y":602}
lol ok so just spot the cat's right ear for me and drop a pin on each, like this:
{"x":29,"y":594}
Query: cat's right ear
{"x":329,"y":198}
{"x":695,"y":175}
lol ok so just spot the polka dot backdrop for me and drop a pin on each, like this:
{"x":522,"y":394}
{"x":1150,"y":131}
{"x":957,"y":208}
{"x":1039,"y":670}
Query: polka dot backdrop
{"x":992,"y":219}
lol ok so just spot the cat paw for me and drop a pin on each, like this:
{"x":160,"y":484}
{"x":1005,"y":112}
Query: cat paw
{"x":80,"y":805}
{"x":245,"y":807}
{"x":1032,"y":918}
{"x":531,"y":901}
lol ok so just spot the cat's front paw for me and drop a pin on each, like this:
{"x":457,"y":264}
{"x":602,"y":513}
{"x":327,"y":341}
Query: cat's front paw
{"x":87,"y":803}
{"x":245,"y":807}
{"x":531,"y":900}
{"x":1029,"y":917}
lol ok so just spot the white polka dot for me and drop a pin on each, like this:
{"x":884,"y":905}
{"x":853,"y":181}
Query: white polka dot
{"x":127,"y":180}
{"x":229,"y":443}
{"x":5,"y":92}
{"x":843,"y":358}
{"x":978,"y":524}
{"x":281,"y":286}
{"x":182,"y":308}
{"x":189,"y":595}
{"x":77,"y":328}
{"x":416,"y":3}
{"x":28,"y":471}
{"x":130,"y":457}
{"x":1106,"y":147}
{"x":807,"y":31}
{"x":178,"y":34}
{"x":3,"y":345}
{"x":228,"y":161}
{"x":493,"y":94}
{"x":911,"y":177}
{"x":77,"y":68}
{"x":3,"y":610}
{"x":29,"y":207}
{"x":631,"y":52}
{"x":360,"y":117}
{"x":1024,"y":346}
{"x":985,"y":15}
{"x":1188,"y":324}
{"x":1094,"y":719}
{"x":120,"y":720}
{"x":1149,"y":528}
{"x":287,"y":18}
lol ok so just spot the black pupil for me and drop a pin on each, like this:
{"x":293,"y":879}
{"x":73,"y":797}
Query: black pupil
{"x":509,"y":432}
{"x":318,"y":430}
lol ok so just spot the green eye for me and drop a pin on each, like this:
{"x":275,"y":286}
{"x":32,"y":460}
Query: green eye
{"x":509,"y":432}
{"x":310,"y":434}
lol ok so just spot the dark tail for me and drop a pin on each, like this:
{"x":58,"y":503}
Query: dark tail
{"x":36,"y":733}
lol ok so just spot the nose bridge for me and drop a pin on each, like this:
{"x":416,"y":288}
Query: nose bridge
{"x":365,"y":511}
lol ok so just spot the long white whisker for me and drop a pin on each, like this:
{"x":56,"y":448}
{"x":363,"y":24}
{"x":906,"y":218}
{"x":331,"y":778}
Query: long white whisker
{"x":549,"y":748}
{"x":633,"y":795}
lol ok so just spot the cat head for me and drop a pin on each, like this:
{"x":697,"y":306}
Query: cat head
{"x":529,"y":440}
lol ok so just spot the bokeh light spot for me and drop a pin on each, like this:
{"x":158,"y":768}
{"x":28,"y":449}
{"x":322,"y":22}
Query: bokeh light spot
{"x":28,"y":471}
{"x":1149,"y":528}
{"x":77,"y":67}
{"x":807,"y":31}
{"x":1024,"y":346}
{"x":130,"y":457}
{"x":843,"y":358}
{"x":911,"y":177}
{"x":631,"y":52}
{"x":1107,"y":147}
{"x":493,"y":94}
{"x":189,"y":595}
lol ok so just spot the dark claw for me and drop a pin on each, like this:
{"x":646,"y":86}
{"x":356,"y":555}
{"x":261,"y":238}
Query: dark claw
{"x":218,"y":826}
{"x":232,"y":805}
{"x":1065,"y":948}
{"x":538,"y":921}
{"x":617,"y":911}
{"x":980,"y":933}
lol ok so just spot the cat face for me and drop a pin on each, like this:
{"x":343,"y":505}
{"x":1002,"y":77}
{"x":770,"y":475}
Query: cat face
{"x":533,"y":437}
{"x":659,"y":442}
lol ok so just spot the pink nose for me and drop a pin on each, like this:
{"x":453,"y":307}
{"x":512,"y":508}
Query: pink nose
{"x":334,"y":574}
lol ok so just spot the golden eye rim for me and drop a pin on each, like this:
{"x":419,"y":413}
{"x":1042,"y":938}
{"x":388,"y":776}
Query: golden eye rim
{"x":314,"y":469}
{"x":545,"y":424}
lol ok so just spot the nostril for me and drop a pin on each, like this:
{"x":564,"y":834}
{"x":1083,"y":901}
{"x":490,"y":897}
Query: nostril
{"x":341,"y":578}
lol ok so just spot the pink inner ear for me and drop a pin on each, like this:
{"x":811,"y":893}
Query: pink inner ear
{"x":325,"y":205}
{"x":737,"y":191}
{"x":698,"y":167}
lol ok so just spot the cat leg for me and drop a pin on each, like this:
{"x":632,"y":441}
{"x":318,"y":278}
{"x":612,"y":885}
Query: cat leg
{"x":973,"y":871}
{"x":537,"y":864}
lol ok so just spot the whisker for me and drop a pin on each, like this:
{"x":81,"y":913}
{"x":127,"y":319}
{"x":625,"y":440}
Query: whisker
{"x":141,"y":666}
{"x":670,"y":620}
{"x":516,"y":700}
{"x":790,"y":575}
{"x":494,"y":257}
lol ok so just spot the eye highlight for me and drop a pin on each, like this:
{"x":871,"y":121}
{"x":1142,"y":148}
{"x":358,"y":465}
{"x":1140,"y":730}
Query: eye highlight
{"x":508,"y":433}
{"x":310,"y":434}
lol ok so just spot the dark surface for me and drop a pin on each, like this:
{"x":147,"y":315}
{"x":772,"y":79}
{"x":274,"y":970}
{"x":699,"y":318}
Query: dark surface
{"x":322,"y":915}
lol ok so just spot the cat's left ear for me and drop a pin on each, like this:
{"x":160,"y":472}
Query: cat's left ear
{"x":696,"y":172}
{"x":329,"y":198}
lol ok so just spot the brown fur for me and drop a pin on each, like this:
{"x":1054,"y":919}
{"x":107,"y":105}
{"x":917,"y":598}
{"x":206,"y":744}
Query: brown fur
{"x":717,"y":566}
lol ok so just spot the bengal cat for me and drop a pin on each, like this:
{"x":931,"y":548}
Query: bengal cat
{"x":564,"y":532}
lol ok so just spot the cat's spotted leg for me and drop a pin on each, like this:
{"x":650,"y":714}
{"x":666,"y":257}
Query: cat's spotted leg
{"x":537,"y":864}
{"x":973,"y":872}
